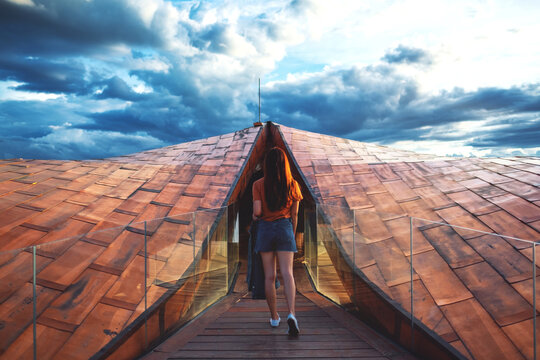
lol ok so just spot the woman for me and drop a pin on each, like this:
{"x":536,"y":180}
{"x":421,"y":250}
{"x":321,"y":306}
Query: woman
{"x":275,"y":203}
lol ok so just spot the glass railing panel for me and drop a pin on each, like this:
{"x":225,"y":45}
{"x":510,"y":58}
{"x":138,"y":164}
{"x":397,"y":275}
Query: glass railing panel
{"x":310,"y":242}
{"x":475,"y":290}
{"x":171,"y":250}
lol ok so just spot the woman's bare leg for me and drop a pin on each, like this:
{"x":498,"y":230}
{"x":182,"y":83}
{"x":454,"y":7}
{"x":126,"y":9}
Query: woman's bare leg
{"x":285,"y":259}
{"x":269,"y":265}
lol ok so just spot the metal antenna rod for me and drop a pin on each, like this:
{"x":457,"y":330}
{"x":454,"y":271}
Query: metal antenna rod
{"x":259,"y":99}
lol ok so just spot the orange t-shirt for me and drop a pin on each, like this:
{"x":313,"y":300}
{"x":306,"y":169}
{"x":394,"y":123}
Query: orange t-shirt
{"x":267,"y":215}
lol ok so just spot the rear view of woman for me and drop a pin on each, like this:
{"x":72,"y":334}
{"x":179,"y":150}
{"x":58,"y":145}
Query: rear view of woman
{"x":275,"y":203}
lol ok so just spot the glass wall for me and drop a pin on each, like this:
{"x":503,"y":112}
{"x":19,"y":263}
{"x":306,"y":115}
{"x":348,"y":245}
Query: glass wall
{"x":148,"y":278}
{"x":469,"y":289}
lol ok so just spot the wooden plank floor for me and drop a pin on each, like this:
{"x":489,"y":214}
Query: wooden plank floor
{"x":238,"y":328}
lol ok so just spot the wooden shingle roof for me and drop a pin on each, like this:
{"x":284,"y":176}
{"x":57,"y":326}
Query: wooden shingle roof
{"x":472,"y":289}
{"x":91,"y":282}
{"x":90,"y":286}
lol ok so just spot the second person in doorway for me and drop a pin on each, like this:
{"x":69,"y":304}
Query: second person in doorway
{"x":276,"y":198}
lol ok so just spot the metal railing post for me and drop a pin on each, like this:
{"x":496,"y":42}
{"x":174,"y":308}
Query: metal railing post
{"x":145,"y":289}
{"x":34,"y":300}
{"x":193,"y":237}
{"x":354,"y":255}
{"x":534,"y":298}
{"x":412,"y":286}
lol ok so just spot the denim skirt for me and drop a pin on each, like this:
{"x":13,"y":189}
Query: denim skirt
{"x":275,"y":235}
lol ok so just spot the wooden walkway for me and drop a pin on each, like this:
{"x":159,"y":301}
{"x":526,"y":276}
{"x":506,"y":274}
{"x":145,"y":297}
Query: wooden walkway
{"x":238,"y":328}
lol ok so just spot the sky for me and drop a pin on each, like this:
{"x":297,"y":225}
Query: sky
{"x":85,"y":79}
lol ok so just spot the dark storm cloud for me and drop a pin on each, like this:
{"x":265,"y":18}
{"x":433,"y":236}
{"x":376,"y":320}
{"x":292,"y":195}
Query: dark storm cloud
{"x":376,"y":104}
{"x":42,"y":75}
{"x":70,"y":27}
{"x":407,"y":55}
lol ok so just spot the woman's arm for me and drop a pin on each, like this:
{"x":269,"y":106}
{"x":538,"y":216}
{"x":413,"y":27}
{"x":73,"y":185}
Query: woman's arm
{"x":257,"y":209}
{"x":294,"y":215}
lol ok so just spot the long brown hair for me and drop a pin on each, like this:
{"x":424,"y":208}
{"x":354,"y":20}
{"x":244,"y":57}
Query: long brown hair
{"x":277,"y":179}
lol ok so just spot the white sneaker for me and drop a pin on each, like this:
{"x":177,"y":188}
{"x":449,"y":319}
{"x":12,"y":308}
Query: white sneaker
{"x":275,"y":323}
{"x":294,"y":330}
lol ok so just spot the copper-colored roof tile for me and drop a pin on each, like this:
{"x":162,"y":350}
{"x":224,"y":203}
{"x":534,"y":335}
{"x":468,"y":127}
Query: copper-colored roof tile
{"x":370,"y":226}
{"x":225,"y":176}
{"x":19,"y":237}
{"x":520,"y":208}
{"x":124,"y":189}
{"x":425,"y":308}
{"x":400,"y":190}
{"x":55,"y":216}
{"x":199,"y":185}
{"x":184,"y":205}
{"x":441,"y":282}
{"x":101,"y":325}
{"x":374,"y":275}
{"x":17,"y":272}
{"x":9,"y":186}
{"x":446,"y":185}
{"x":71,"y":229}
{"x":459,"y":346}
{"x":526,"y":177}
{"x":51,"y":199}
{"x":82,"y":182}
{"x":153,"y":294}
{"x":454,"y":250}
{"x":384,"y":172}
{"x":490,"y":177}
{"x":105,"y":169}
{"x":509,"y":262}
{"x":413,"y":178}
{"x":505,"y":305}
{"x":12,"y":199}
{"x":401,"y":166}
{"x":391,"y":261}
{"x":434,"y":198}
{"x":356,"y":197}
{"x":107,"y":230}
{"x":474,"y":183}
{"x":157,"y":182}
{"x":385,"y":205}
{"x":16,"y":311}
{"x":489,"y":191}
{"x":400,"y":230}
{"x":505,"y":224}
{"x":214,"y":197}
{"x":473,"y":203}
{"x":137,"y":202}
{"x":171,"y":232}
{"x":13,"y":217}
{"x":98,"y":189}
{"x":322,"y":166}
{"x":153,"y":216}
{"x":424,"y":168}
{"x":181,"y":257}
{"x":117,"y":177}
{"x":419,"y":210}
{"x":521,"y":335}
{"x":328,"y":187}
{"x":525,"y":288}
{"x":82,"y":198}
{"x":72,"y":307}
{"x":518,"y":188}
{"x":481,"y":335}
{"x":129,"y":289}
{"x":119,"y":253}
{"x":455,"y":215}
{"x":98,"y":210}
{"x":535,"y":224}
{"x":62,"y":272}
{"x":170,"y":194}
{"x":38,"y":177}
{"x":48,"y":341}
{"x":146,"y":172}
{"x":359,"y":168}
